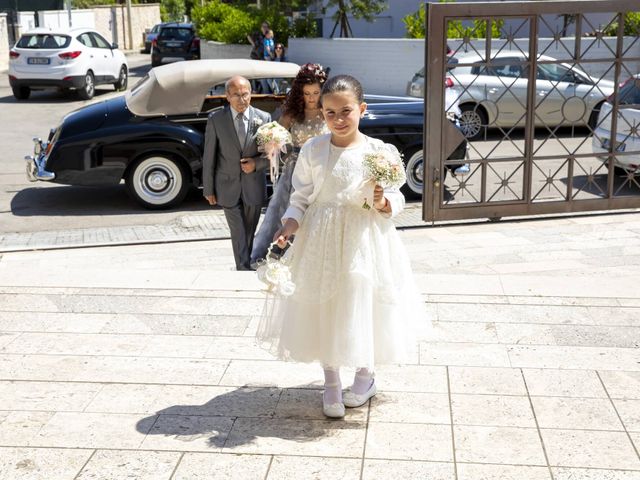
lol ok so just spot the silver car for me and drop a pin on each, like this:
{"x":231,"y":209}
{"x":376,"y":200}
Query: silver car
{"x":496,"y":95}
{"x":627,"y":143}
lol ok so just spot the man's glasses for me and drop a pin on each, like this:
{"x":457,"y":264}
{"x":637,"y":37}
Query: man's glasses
{"x":244,"y":96}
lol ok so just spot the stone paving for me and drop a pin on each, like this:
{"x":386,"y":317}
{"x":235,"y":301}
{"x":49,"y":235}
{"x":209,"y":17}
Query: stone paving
{"x":207,"y":226}
{"x":139,"y":362}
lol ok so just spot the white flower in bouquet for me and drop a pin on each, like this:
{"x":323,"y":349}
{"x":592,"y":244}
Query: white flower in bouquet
{"x":275,"y":274}
{"x":272,"y":139}
{"x":384,"y":167}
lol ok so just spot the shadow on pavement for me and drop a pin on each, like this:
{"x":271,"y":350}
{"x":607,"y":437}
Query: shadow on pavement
{"x":250,"y":411}
{"x":78,"y":201}
{"x":53,"y":96}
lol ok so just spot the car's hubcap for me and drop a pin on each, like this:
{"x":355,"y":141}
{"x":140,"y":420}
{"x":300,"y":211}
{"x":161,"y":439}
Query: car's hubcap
{"x":123,"y":76}
{"x":415,"y":172}
{"x":157,"y":180}
{"x":470,"y":123}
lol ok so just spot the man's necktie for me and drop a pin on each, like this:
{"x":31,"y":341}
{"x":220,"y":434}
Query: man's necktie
{"x":240,"y":128}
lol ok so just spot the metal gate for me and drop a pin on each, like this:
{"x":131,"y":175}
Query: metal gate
{"x":548,"y":97}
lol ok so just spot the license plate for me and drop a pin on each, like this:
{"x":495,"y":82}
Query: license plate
{"x":606,"y":144}
{"x":173,"y":44}
{"x":37,"y":61}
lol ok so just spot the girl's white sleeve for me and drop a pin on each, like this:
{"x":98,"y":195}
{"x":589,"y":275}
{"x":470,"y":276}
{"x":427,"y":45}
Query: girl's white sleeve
{"x":302,"y":183}
{"x":396,"y":202}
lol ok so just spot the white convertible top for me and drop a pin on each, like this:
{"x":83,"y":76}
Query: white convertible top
{"x":181,"y":87}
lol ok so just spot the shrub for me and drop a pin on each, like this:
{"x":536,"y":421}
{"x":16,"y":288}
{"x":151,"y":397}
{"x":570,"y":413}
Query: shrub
{"x":631,"y":25}
{"x":222,"y":23}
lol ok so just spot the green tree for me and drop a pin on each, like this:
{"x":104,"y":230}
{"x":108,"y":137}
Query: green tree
{"x":358,"y":9}
{"x":415,"y":23}
{"x":631,"y":25}
{"x":172,"y":10}
{"x":222,"y":23}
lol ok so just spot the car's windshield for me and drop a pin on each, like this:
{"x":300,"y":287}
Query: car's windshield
{"x":630,"y":92}
{"x":44,"y":40}
{"x":172,"y":33}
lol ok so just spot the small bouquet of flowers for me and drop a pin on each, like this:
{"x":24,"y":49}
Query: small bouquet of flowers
{"x":275,"y":274}
{"x":272,"y":139}
{"x":384,"y":167}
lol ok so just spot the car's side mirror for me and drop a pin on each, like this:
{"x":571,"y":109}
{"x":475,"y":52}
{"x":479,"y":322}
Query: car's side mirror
{"x":114,"y":46}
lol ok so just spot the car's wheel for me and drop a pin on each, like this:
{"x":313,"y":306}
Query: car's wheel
{"x":89,"y":89}
{"x":593,"y":118}
{"x":123,"y":79}
{"x":414,"y":166}
{"x":158,"y":182}
{"x":155,"y":60}
{"x":473,"y":121}
{"x":21,"y":93}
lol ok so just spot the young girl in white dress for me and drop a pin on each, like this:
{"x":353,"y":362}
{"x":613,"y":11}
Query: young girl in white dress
{"x":355,"y":301}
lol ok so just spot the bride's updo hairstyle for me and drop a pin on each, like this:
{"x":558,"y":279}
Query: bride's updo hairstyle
{"x":309,"y":74}
{"x":343,"y":83}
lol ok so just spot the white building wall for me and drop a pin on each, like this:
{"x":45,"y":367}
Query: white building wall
{"x":60,"y":19}
{"x":4,"y":43}
{"x":385,"y":66}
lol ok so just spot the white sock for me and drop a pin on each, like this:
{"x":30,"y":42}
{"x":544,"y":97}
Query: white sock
{"x":362,"y":381}
{"x":332,"y":386}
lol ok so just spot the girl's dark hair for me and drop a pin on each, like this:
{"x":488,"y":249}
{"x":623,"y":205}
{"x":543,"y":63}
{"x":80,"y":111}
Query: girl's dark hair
{"x":343,"y":83}
{"x":309,"y":74}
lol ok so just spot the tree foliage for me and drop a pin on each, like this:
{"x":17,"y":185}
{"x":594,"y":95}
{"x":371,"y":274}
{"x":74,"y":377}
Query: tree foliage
{"x":223,"y":22}
{"x":415,"y":24}
{"x":172,"y":10}
{"x":631,"y":25}
{"x":358,"y":9}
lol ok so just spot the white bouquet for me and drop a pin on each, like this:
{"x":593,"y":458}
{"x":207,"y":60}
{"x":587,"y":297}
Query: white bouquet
{"x":384,"y":167}
{"x":275,"y":274}
{"x":272,"y":139}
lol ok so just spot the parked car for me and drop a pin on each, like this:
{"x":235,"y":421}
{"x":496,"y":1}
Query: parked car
{"x":153,"y":136}
{"x":175,"y":41}
{"x":496,"y":95}
{"x":415,"y":87}
{"x":149,"y":35}
{"x":627,"y":142}
{"x":78,"y":59}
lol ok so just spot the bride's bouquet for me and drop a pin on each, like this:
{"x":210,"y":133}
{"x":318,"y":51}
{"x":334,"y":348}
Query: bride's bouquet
{"x":272,"y":139}
{"x":384,"y":167}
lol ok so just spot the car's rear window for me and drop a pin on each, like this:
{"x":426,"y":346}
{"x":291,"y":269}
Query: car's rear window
{"x":630,"y":93}
{"x":174,"y":33}
{"x":43,"y":40}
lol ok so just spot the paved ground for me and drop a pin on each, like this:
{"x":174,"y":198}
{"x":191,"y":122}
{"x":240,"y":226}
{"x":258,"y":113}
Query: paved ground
{"x":139,"y":362}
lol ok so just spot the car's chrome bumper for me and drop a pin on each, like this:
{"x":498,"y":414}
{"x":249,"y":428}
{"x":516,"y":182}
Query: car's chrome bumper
{"x":36,"y":163}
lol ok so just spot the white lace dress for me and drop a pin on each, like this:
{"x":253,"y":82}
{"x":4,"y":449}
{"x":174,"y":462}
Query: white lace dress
{"x":355,"y":302}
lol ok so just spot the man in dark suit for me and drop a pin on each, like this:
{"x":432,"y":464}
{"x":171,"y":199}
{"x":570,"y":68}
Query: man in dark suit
{"x":233,"y":171}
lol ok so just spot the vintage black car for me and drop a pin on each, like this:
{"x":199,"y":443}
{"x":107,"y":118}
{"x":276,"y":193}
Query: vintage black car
{"x":153,"y":137}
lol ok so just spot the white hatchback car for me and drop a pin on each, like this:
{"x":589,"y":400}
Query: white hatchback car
{"x":79,"y":58}
{"x":627,"y":143}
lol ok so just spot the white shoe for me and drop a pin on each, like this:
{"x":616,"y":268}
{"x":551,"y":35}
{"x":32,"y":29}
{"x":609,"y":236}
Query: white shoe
{"x":353,"y":400}
{"x":334,"y":410}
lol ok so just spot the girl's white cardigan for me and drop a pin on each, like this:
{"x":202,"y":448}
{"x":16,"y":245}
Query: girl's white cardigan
{"x":311,"y":171}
